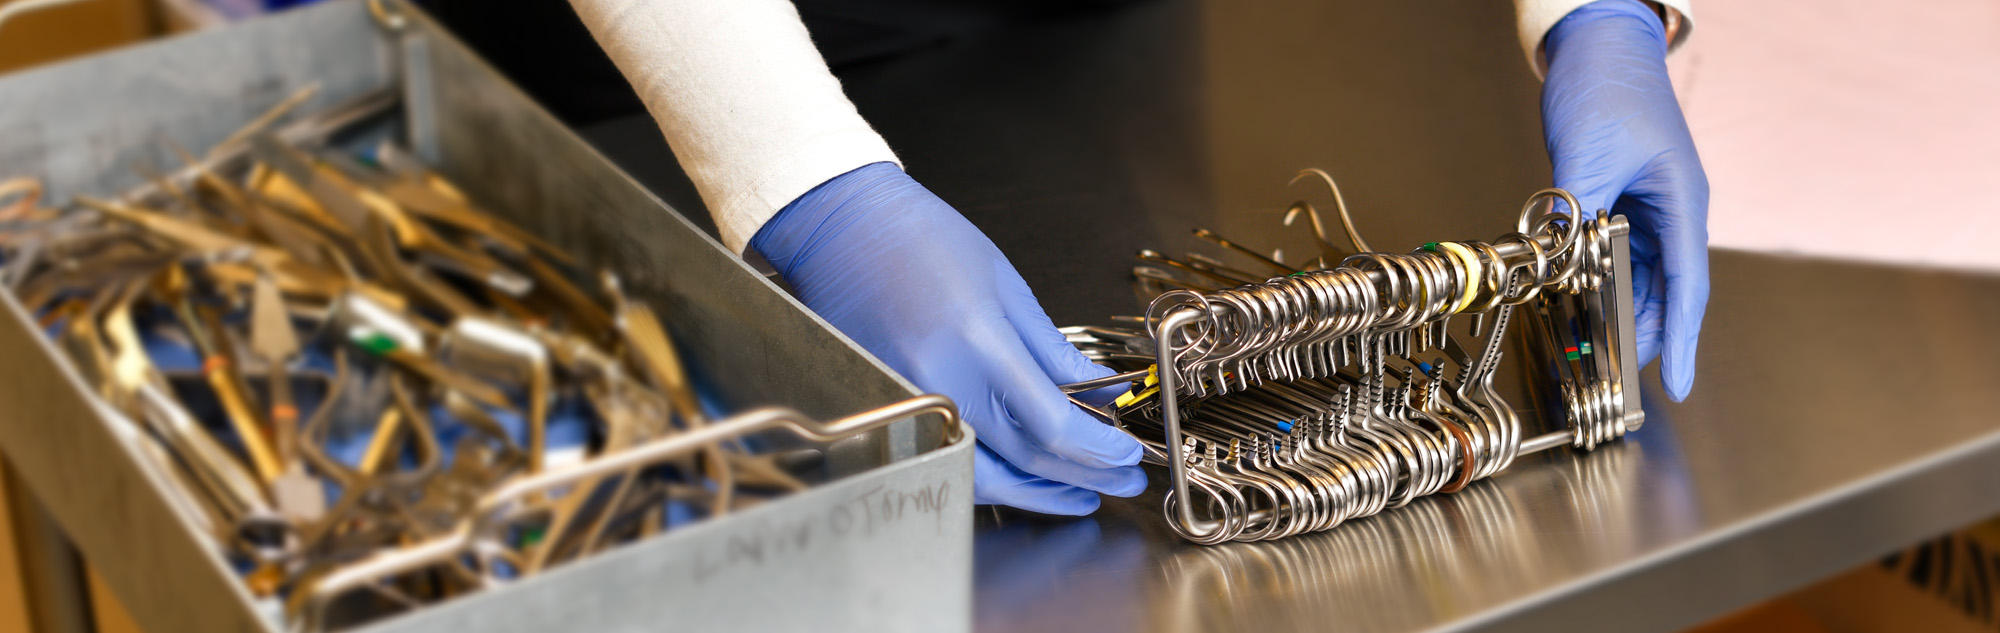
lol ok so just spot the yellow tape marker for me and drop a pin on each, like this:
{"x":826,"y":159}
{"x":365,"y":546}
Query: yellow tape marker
{"x":1152,"y":378}
{"x":1464,"y":256}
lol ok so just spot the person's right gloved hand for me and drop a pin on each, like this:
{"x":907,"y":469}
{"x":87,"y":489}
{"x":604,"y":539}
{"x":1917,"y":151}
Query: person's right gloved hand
{"x":903,"y":274}
{"x":1618,"y":141}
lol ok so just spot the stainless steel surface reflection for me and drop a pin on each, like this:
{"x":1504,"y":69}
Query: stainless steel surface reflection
{"x":1443,"y":557}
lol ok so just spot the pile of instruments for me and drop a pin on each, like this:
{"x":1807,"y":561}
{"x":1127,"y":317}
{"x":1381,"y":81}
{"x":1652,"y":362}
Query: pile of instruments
{"x":1362,"y":382}
{"x":372,"y":394}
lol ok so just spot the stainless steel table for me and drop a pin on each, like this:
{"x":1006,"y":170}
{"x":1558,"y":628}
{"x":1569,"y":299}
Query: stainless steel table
{"x":1845,"y":416}
{"x":1841,"y":410}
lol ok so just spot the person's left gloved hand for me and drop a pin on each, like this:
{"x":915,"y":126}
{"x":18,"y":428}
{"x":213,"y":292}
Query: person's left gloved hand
{"x":1618,"y":141}
{"x":907,"y":277}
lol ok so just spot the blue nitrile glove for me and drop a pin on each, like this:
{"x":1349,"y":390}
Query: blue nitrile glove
{"x":1618,"y":141}
{"x":903,"y":274}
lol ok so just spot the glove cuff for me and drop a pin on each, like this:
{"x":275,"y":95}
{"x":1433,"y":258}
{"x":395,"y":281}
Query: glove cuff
{"x":1637,"y":17}
{"x":822,"y":212}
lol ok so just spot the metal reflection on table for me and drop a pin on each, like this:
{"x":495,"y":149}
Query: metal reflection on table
{"x":1442,"y":558}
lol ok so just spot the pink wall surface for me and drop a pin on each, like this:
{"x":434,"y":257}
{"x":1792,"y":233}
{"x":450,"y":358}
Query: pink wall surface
{"x":1852,"y":129}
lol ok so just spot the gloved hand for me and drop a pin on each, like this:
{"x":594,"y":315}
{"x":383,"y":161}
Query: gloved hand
{"x":1618,"y":141}
{"x":903,"y":274}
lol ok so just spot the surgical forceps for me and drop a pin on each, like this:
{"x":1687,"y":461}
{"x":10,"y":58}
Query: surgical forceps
{"x":1340,"y":391}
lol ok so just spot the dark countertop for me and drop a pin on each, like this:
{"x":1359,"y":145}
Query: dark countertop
{"x":1841,"y":410}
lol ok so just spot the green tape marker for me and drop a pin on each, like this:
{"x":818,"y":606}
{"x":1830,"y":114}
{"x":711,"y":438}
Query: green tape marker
{"x":375,"y":343}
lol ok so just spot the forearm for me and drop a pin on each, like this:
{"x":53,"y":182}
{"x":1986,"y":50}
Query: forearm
{"x":744,"y":99}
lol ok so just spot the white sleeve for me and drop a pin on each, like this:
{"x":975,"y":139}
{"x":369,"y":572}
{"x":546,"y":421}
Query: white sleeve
{"x":1536,"y":17}
{"x":746,"y":102}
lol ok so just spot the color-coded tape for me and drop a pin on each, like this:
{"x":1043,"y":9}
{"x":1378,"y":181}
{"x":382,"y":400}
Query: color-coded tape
{"x":1130,"y":397}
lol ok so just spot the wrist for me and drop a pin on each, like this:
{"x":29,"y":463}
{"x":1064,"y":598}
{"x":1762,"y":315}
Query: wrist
{"x":1629,"y":22}
{"x":791,"y":235}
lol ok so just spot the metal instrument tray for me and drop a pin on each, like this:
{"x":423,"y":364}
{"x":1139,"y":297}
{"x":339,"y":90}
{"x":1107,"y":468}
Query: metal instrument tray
{"x":885,"y":547}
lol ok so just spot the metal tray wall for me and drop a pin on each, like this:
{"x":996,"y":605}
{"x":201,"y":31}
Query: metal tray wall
{"x":885,"y":549}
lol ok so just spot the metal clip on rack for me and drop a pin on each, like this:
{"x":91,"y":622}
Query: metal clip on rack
{"x":1332,"y":393}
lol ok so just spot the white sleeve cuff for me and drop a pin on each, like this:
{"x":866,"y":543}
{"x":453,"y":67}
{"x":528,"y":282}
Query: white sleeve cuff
{"x":752,"y":112}
{"x":820,"y":159}
{"x":1536,"y":17}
